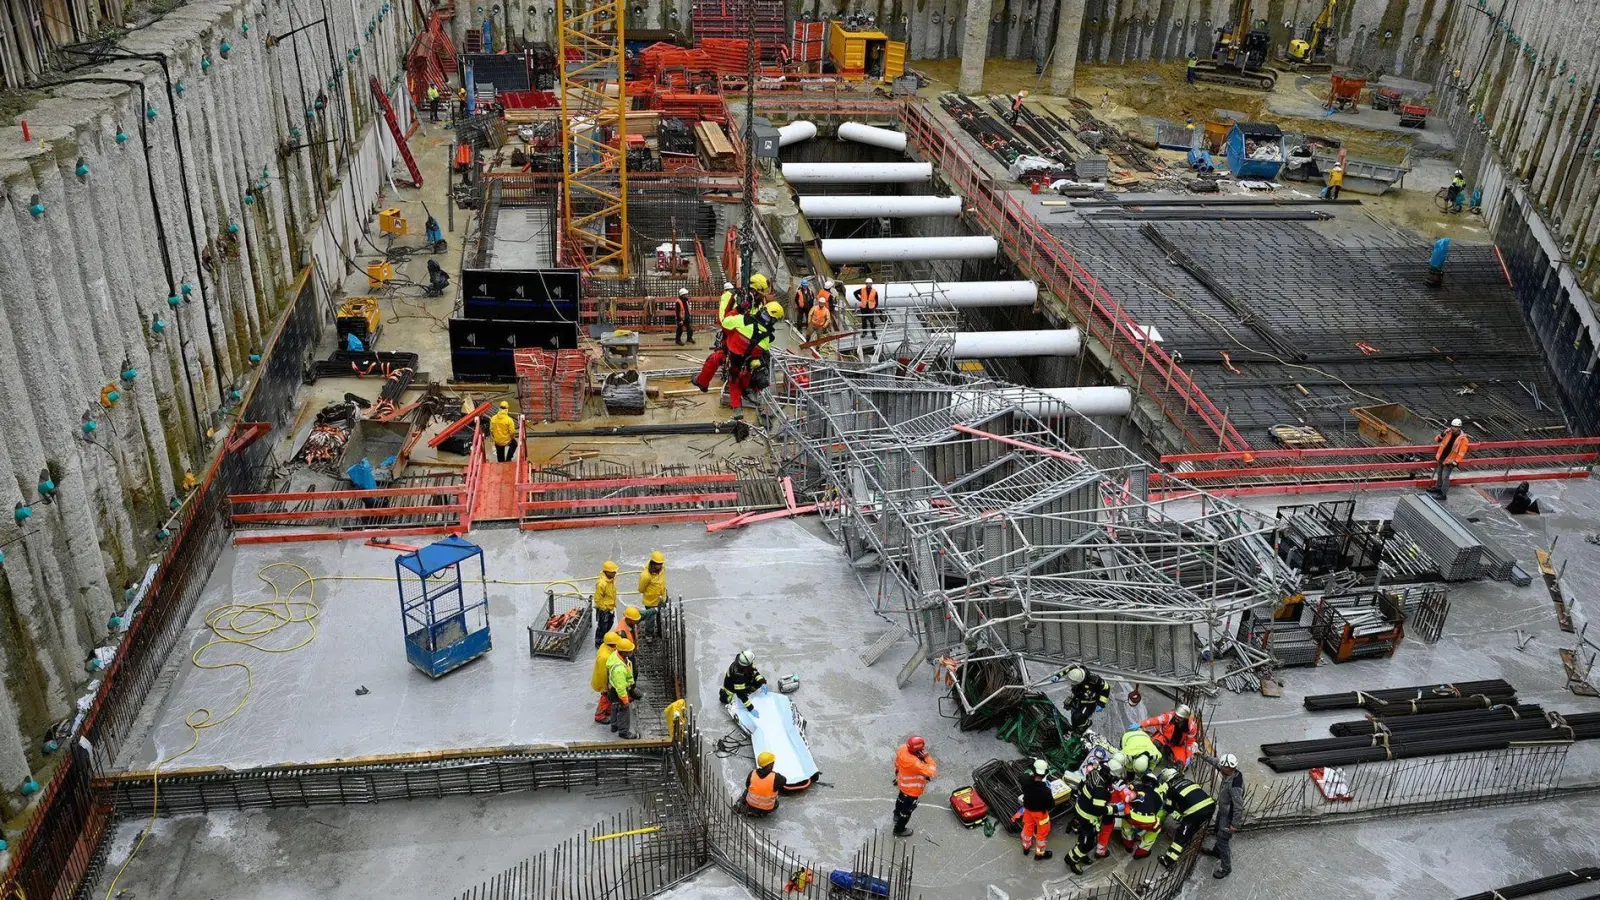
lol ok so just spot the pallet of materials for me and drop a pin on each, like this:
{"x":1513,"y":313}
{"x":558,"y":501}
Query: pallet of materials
{"x":563,"y":635}
{"x":716,"y":151}
{"x":1358,"y":626}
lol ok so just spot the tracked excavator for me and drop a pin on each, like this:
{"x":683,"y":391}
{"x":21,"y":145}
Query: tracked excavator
{"x":1308,"y":54}
{"x":1239,"y":55}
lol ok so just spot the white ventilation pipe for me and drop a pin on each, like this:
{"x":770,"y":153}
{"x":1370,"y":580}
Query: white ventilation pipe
{"x":857,"y":173}
{"x":1084,"y":401}
{"x":997,"y":344}
{"x":877,"y":137}
{"x":915,"y":294}
{"x":874,"y":206}
{"x":864,"y":250}
{"x":795,"y":132}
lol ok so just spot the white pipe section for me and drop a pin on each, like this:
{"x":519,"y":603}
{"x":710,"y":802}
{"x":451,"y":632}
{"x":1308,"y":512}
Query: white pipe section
{"x":873,"y":207}
{"x":908,"y":294}
{"x":1084,"y":401}
{"x":864,"y":250}
{"x":795,"y":132}
{"x":996,"y":344}
{"x":877,"y":137}
{"x":848,"y":173}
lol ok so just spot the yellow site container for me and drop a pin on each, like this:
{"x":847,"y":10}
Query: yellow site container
{"x":391,"y":222}
{"x":865,"y":54}
{"x":379,"y":274}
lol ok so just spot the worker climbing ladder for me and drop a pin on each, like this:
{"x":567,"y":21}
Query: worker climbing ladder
{"x":394,"y":129}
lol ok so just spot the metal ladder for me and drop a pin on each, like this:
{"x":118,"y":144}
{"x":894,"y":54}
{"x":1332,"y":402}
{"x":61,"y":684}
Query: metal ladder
{"x":394,"y":129}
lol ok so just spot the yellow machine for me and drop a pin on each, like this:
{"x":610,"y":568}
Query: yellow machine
{"x":1239,"y":54}
{"x":594,"y":133}
{"x":391,"y":222}
{"x":1307,"y":54}
{"x":865,"y":54}
{"x":379,"y":274}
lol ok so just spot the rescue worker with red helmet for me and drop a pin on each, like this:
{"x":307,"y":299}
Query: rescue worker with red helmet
{"x":914,"y":767}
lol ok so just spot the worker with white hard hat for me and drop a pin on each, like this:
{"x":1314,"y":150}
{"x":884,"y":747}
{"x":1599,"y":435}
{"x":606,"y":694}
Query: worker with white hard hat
{"x":1450,"y":448}
{"x":1230,"y":810}
{"x":1090,"y":694}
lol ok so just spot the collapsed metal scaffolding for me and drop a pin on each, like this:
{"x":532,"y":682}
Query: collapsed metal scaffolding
{"x":993,"y":523}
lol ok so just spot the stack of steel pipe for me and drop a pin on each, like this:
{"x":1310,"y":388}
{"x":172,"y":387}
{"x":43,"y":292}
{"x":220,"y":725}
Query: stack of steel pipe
{"x":1432,"y":526}
{"x":1496,"y":691}
{"x":1507,"y":712}
{"x":1040,"y":135}
{"x":1407,"y":743}
{"x":1555,"y":882}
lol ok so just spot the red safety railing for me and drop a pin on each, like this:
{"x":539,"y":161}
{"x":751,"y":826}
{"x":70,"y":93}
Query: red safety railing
{"x":1032,"y":247}
{"x":1324,"y":469}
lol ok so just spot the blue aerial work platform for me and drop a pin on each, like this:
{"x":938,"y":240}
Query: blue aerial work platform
{"x":444,"y":628}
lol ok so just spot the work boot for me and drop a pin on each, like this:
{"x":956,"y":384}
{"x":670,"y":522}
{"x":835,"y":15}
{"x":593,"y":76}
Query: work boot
{"x":1102,"y":852}
{"x":628,"y":736}
{"x":1027,"y":850}
{"x":1045,"y":855}
{"x":1076,"y":867}
{"x":1209,"y":851}
{"x":1221,"y":873}
{"x":1140,"y":853}
{"x":904,"y":832}
{"x":1129,"y":844}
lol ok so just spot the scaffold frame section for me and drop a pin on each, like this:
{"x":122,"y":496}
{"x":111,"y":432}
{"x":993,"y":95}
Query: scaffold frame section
{"x":594,"y":126}
{"x":980,"y":529}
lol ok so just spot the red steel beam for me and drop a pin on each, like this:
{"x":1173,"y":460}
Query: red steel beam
{"x":313,"y":515}
{"x":349,"y":495}
{"x":1397,"y":465}
{"x":656,"y":519}
{"x":539,"y":487}
{"x":294,"y":537}
{"x":650,"y":500}
{"x":1338,"y":452}
{"x":1344,"y":487}
{"x":751,"y":518}
{"x":1013,"y":442}
{"x":458,"y":424}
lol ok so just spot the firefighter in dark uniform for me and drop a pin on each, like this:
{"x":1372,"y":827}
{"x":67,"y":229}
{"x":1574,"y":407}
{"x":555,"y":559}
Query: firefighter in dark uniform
{"x":1189,"y":805}
{"x":1091,"y":805}
{"x":742,"y":680}
{"x":1090,"y":694}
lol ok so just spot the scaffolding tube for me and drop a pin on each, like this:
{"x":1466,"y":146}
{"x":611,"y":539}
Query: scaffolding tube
{"x":873,"y":206}
{"x":877,"y":137}
{"x":1004,"y":344}
{"x":795,"y":132}
{"x":857,"y":173}
{"x":939,"y":294}
{"x":909,"y":249}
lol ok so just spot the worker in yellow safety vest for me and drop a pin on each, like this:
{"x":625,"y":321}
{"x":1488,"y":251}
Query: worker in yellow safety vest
{"x":605,"y":601}
{"x":503,"y":431}
{"x":597,"y":678}
{"x":620,"y":687}
{"x":653,"y":588}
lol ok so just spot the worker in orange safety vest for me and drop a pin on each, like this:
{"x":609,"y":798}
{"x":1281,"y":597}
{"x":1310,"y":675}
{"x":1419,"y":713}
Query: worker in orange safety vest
{"x":913,"y":769}
{"x":762,"y":785}
{"x":1176,"y":733}
{"x":1451,"y":449}
{"x":867,"y":308}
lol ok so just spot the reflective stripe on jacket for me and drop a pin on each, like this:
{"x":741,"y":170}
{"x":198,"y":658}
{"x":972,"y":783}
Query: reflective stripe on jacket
{"x":762,"y":791}
{"x":911,"y":773}
{"x":1452,"y":447}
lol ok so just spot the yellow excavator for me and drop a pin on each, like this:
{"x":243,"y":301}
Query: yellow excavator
{"x":1239,"y":54}
{"x":1309,"y":53}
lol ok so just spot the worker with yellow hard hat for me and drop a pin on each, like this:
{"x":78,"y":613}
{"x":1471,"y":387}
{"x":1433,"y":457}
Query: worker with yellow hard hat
{"x":620,"y":678}
{"x":748,"y":337}
{"x":762,"y":785}
{"x":653,"y":589}
{"x":758,"y":283}
{"x":605,"y":601}
{"x":503,"y":431}
{"x":597,"y":678}
{"x":628,"y":626}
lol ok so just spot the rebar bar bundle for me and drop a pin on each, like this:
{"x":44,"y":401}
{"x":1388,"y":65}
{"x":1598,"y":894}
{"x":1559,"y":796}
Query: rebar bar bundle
{"x":1540,"y":885}
{"x":1492,"y":691}
{"x":1552,"y":728}
{"x":999,"y":538}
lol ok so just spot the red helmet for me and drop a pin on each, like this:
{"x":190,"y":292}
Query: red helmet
{"x":916,"y":744}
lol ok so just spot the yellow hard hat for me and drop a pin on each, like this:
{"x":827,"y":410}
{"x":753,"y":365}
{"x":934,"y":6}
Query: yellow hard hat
{"x":632,"y":614}
{"x":624,"y":645}
{"x":658,"y":557}
{"x":758,"y":281}
{"x":765,"y":758}
{"x":609,"y":567}
{"x":612,"y":639}
{"x":775,"y":309}
{"x":504,"y":405}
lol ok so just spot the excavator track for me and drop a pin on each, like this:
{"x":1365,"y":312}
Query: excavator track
{"x":1291,"y":67}
{"x":1263,"y":80}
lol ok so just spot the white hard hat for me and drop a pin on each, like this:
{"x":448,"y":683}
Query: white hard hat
{"x":745,"y":658}
{"x":1228,"y":761}
{"x":683,"y":292}
{"x":1141,"y":764}
{"x":1116,"y":767}
{"x":869,"y":281}
{"x":1183,"y":711}
{"x":1455,"y":423}
{"x":727,"y":285}
{"x":1077,"y":674}
{"x":1167,"y":775}
{"x":1040,"y":767}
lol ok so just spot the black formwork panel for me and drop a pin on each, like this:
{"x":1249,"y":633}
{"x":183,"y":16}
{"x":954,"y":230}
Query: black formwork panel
{"x":483,"y":349}
{"x":506,"y":71}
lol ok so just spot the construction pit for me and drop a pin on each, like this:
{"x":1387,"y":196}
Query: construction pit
{"x":1177,"y":438}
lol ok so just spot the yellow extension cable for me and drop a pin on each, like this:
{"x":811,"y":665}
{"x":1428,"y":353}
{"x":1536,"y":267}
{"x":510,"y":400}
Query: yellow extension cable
{"x":246,"y":624}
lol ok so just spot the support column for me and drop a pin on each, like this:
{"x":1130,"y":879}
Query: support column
{"x":974,"y":46}
{"x":1064,"y":69}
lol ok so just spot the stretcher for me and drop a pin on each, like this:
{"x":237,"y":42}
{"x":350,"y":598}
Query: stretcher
{"x":776,"y":727}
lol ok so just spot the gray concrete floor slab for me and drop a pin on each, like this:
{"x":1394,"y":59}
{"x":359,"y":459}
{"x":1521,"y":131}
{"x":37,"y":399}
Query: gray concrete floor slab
{"x":421,"y":850}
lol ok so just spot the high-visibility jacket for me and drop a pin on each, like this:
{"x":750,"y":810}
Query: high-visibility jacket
{"x":1136,"y":744}
{"x":1193,"y":62}
{"x":602,"y":657}
{"x":501,"y":428}
{"x":867,"y":298}
{"x":605,"y":594}
{"x":1336,"y":178}
{"x":821,"y":317}
{"x":1178,"y":737}
{"x":681,"y":307}
{"x":1093,"y":692}
{"x":433,"y":92}
{"x":1188,"y":800}
{"x":825,"y":296}
{"x":1452,"y":447}
{"x":911,"y":772}
{"x":619,"y":676}
{"x":624,"y":628}
{"x":1144,"y":811}
{"x":653,"y":587}
{"x":740,"y":682}
{"x":724,"y":305}
{"x":761,"y":791}
{"x":747,"y":334}
{"x":1092,"y":801}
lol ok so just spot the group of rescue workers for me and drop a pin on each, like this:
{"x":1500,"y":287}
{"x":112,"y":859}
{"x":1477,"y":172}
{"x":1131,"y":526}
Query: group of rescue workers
{"x":616,"y":640}
{"x":1132,"y":793}
{"x":748,"y":319}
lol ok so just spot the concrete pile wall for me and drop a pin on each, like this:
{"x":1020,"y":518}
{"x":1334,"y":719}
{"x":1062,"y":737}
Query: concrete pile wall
{"x":1401,"y":37}
{"x":144,"y":180}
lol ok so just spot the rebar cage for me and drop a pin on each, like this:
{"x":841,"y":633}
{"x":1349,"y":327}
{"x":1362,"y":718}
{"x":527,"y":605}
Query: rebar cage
{"x":980,"y":529}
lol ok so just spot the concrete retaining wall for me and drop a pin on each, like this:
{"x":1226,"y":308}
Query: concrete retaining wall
{"x":159,"y":177}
